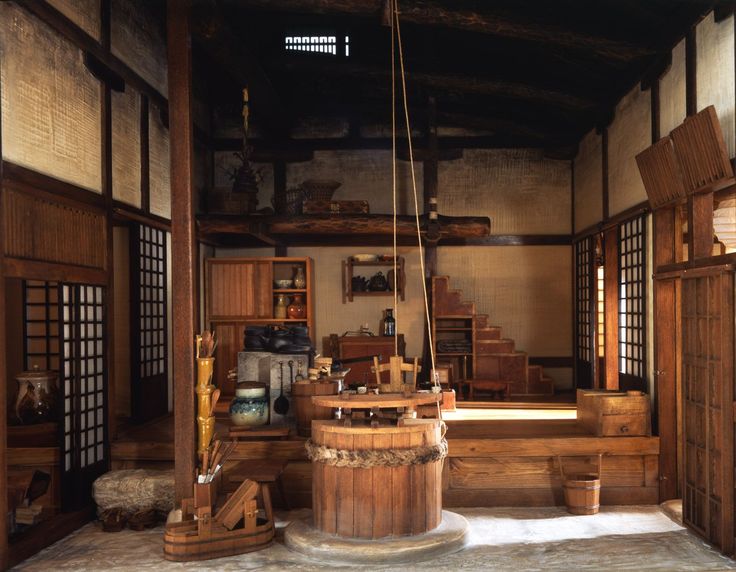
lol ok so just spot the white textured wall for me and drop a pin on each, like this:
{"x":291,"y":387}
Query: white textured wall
{"x":84,"y":13}
{"x":51,"y":112}
{"x":672,"y":92}
{"x":629,"y":134}
{"x":715,"y":73}
{"x":520,"y":190}
{"x":589,"y":182}
{"x":159,"y":164}
{"x":126,"y":146}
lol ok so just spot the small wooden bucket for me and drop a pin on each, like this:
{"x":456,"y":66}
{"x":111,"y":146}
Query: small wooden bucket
{"x":582,"y":490}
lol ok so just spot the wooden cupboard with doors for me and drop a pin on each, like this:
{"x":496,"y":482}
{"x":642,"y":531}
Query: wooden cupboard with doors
{"x":243,"y":291}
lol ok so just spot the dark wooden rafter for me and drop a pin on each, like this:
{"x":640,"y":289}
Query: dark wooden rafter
{"x":222,"y":45}
{"x":433,"y":13}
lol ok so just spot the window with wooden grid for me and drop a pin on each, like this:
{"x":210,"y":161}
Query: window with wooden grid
{"x":41,"y":325}
{"x":148,"y":326}
{"x":632,"y":297}
{"x":84,"y":385}
{"x":584,"y":348}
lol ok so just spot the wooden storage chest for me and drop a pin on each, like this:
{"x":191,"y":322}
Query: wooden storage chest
{"x":614,"y":413}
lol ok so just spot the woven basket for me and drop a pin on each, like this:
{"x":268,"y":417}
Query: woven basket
{"x":320,"y":189}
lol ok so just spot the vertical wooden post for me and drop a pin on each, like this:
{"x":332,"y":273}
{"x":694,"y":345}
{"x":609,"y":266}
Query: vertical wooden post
{"x":183,"y":241}
{"x":700,"y":225}
{"x":610,"y":238}
{"x":3,"y":383}
{"x":279,"y":194}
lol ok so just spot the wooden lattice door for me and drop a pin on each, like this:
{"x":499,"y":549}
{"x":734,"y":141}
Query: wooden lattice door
{"x":585,"y":339}
{"x":148,"y":293}
{"x":708,"y":406}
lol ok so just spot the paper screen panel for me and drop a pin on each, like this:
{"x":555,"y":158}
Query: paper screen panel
{"x":51,"y":112}
{"x":160,"y":180}
{"x":672,"y":93}
{"x":137,"y":38}
{"x":629,"y":134}
{"x":84,"y":13}
{"x":126,"y":147}
{"x":715,"y":73}
{"x":520,"y":190}
{"x":365,"y":175}
{"x":589,"y":182}
{"x":527,"y":290}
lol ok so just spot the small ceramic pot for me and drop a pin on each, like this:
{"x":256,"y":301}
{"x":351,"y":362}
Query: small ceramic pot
{"x":297,"y":309}
{"x":250,"y":405}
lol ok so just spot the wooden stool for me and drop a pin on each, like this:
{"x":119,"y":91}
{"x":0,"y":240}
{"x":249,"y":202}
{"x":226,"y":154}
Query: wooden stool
{"x":263,"y":471}
{"x":497,"y":389}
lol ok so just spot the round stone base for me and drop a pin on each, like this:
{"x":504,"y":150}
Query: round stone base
{"x":449,"y":536}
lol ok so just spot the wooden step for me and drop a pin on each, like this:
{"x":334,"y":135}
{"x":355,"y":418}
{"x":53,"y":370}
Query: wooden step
{"x":447,"y":302}
{"x":544,"y":386}
{"x":489,"y":347}
{"x":534,"y":373}
{"x":481,"y":321}
{"x":509,"y":367}
{"x":488,"y":333}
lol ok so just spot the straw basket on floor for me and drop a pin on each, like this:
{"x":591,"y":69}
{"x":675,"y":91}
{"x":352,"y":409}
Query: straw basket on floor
{"x":582,"y":490}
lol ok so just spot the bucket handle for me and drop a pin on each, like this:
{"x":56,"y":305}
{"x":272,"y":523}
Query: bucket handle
{"x":562,"y":471}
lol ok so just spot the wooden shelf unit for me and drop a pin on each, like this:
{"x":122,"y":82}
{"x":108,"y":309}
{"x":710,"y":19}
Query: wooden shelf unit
{"x":240,"y":292}
{"x":347,"y":278}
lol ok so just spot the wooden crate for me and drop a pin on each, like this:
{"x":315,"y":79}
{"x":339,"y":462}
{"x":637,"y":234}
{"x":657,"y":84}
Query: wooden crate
{"x":614,"y":414}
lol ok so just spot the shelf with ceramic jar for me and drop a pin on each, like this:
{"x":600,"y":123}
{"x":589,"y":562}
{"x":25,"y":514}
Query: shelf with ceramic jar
{"x":377,"y":284}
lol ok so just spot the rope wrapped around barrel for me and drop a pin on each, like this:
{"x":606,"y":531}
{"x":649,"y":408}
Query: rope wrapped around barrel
{"x":368,"y":458}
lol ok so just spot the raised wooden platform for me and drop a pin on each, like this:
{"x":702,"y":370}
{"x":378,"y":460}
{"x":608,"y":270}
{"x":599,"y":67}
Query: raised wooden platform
{"x":492,"y":461}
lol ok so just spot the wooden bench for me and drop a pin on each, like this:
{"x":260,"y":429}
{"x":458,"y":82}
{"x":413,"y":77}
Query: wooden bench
{"x":498,"y":389}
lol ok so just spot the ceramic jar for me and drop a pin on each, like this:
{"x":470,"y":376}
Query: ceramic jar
{"x":279,"y":309}
{"x":300,"y":280}
{"x":297,"y":309}
{"x":37,"y":396}
{"x":250,"y":405}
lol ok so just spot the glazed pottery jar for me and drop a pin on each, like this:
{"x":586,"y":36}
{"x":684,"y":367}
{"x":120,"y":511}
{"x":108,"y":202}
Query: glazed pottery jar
{"x":250,"y":405}
{"x":37,"y":396}
{"x":300,"y":281}
{"x":297,"y":309}
{"x":279,"y":310}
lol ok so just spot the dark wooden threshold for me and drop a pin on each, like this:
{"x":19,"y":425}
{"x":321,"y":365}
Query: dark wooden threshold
{"x":46,"y":533}
{"x":551,"y":361}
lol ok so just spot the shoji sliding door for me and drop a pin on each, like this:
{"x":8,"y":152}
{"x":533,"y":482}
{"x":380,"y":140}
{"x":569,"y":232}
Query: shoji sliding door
{"x":585,"y":340}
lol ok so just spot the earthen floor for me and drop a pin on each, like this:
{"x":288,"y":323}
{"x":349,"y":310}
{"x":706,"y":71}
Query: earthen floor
{"x":520,"y":539}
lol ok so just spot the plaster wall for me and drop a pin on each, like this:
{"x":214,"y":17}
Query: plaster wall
{"x":672,"y":92}
{"x":588,"y":182}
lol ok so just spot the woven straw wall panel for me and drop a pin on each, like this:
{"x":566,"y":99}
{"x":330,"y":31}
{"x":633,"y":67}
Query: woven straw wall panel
{"x":629,"y":134}
{"x":39,"y":229}
{"x":589,"y":182}
{"x":84,"y":13}
{"x":715,"y":73}
{"x":137,"y":38}
{"x":50,"y":103}
{"x":126,"y":146}
{"x":672,"y":93}
{"x":524,"y":289}
{"x":520,"y":190}
{"x":160,"y":180}
{"x":365,"y":175}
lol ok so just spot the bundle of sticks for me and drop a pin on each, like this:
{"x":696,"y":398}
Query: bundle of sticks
{"x":213,"y":459}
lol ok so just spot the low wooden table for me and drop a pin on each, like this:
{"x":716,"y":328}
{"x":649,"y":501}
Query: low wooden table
{"x":263,"y":471}
{"x":492,"y":386}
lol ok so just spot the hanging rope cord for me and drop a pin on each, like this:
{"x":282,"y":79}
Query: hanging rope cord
{"x":394,"y":180}
{"x":395,"y":25}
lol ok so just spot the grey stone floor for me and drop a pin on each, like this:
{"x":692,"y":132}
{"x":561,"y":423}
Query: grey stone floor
{"x":519,"y":539}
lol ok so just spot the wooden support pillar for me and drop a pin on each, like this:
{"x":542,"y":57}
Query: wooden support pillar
{"x":3,"y":388}
{"x":279,"y":193}
{"x":183,"y":242}
{"x":610,"y":239}
{"x":700,"y":225}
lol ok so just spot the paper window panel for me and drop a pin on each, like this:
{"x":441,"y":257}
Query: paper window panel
{"x":715,"y":73}
{"x":137,"y":38}
{"x":160,"y":181}
{"x":84,"y":13}
{"x":126,"y":146}
{"x":51,"y":109}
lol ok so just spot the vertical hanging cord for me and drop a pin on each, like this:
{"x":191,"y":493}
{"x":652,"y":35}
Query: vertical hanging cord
{"x":393,"y":168}
{"x":414,"y":188}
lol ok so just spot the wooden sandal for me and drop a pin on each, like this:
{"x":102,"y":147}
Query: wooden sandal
{"x":143,"y":519}
{"x":113,"y":520}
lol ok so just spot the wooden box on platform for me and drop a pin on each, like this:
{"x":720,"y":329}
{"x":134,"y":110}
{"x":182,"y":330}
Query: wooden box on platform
{"x":613,"y":413}
{"x":379,"y":501}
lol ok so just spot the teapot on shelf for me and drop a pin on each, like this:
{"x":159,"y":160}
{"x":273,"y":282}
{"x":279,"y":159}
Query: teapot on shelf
{"x":378,"y":282}
{"x":359,"y":284}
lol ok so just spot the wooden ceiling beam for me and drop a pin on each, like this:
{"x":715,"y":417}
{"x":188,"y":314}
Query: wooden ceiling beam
{"x":437,"y":14}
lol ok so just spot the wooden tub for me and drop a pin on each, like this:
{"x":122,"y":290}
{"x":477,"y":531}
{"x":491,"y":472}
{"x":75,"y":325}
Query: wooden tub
{"x":380,"y":501}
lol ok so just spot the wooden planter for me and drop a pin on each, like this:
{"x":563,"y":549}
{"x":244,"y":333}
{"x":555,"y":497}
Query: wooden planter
{"x":380,"y":501}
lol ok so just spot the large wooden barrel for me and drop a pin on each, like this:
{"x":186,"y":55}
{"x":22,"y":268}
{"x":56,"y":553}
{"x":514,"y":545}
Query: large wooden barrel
{"x":305,"y":409}
{"x":380,"y":501}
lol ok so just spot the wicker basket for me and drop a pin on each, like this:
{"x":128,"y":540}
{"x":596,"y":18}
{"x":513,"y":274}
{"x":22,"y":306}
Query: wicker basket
{"x":320,"y":189}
